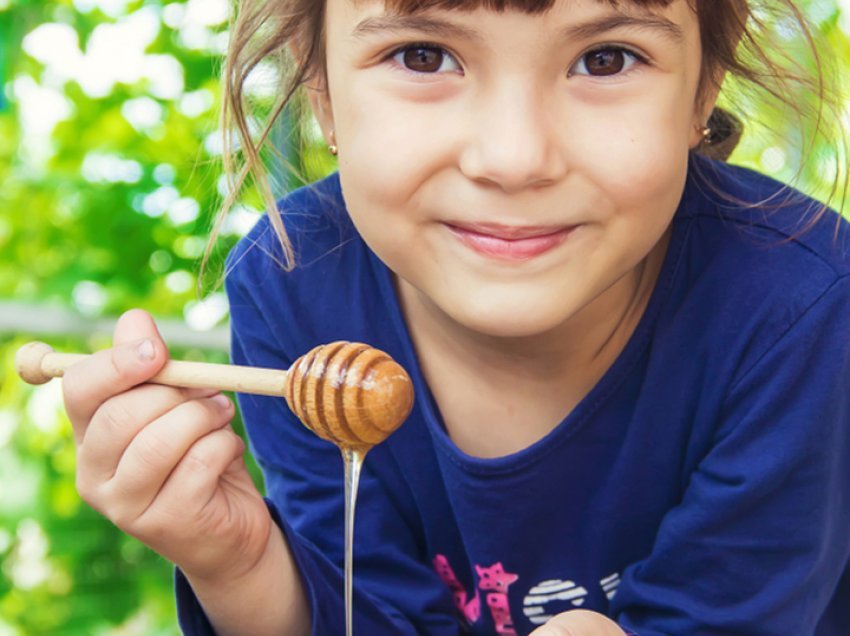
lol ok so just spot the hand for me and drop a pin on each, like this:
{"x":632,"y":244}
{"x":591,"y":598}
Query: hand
{"x":163,"y":463}
{"x":579,"y":623}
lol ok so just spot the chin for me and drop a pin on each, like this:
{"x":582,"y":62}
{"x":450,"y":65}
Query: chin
{"x":511,"y":321}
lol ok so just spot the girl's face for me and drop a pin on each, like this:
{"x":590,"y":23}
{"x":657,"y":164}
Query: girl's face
{"x":514,"y":170}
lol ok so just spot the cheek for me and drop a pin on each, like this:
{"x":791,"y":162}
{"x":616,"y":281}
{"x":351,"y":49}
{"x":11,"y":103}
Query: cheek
{"x":368,"y":131}
{"x":388,"y":154}
{"x":639,"y":158}
{"x":378,"y":208}
{"x":386,"y":128}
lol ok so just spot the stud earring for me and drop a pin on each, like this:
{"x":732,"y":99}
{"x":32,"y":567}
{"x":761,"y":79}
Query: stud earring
{"x":705,"y":131}
{"x":332,"y":147}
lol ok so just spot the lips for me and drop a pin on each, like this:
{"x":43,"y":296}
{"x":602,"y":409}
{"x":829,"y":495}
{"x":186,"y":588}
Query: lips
{"x":516,"y":243}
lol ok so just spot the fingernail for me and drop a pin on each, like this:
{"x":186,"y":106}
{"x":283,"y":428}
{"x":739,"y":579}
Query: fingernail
{"x":146,"y":349}
{"x":222,"y":400}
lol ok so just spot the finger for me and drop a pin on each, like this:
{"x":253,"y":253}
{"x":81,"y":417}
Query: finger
{"x":120,"y":419}
{"x":195,"y":483}
{"x":553,"y":630}
{"x":578,"y":622}
{"x":155,"y":452}
{"x":138,"y":356}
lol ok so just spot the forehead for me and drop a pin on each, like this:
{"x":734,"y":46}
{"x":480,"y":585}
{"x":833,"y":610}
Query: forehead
{"x":526,"y":6}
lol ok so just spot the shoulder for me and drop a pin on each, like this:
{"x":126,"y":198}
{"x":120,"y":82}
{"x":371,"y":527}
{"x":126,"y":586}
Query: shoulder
{"x":331,"y":286}
{"x":762,"y":218}
{"x":752,"y":259}
{"x":316,"y":223}
{"x":324,"y":242}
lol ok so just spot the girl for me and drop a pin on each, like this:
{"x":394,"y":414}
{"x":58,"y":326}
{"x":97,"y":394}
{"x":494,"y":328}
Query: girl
{"x":630,"y":360}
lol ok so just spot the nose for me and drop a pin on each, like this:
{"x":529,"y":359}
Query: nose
{"x":513,"y":141}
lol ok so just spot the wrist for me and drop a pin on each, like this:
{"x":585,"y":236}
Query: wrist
{"x":264,"y":597}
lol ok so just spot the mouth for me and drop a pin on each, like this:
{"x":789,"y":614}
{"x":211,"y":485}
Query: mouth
{"x":511,"y":243}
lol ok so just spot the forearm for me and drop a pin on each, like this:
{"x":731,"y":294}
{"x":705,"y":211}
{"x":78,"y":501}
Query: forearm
{"x":268,"y":598}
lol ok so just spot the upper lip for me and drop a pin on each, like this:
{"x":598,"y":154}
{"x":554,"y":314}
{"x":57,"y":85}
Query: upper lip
{"x":509,"y":232}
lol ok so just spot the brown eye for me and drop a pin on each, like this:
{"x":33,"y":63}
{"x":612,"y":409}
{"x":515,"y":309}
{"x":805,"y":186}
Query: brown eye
{"x":603,"y":62}
{"x":422,"y":58}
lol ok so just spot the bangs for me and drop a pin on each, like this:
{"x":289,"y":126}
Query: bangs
{"x":526,"y":6}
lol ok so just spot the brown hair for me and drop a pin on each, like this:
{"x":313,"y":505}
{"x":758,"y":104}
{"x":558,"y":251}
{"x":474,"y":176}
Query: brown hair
{"x":736,"y":39}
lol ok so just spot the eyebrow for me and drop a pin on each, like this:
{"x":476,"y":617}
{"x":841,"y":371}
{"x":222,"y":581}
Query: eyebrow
{"x":582,"y":31}
{"x":420,"y":23}
{"x":600,"y":26}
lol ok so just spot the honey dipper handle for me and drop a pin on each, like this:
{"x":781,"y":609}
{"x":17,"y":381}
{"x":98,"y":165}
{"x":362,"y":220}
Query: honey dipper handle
{"x":37,"y":363}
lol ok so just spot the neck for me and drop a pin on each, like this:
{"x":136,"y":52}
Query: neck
{"x":499,"y":395}
{"x":592,"y":338}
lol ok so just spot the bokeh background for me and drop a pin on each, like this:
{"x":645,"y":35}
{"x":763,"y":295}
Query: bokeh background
{"x":109,"y":179}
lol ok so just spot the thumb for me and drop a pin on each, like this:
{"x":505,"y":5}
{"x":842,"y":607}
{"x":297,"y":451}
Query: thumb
{"x":138,"y":353}
{"x":137,"y":336}
{"x":136,"y":325}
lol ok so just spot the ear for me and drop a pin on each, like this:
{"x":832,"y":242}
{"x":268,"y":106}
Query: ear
{"x":320,"y":103}
{"x":317,"y":93}
{"x":703,"y":107}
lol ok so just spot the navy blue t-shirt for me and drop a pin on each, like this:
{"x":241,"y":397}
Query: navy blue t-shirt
{"x":702,"y":487}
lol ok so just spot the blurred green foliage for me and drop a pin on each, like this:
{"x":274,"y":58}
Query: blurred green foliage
{"x":108,"y":191}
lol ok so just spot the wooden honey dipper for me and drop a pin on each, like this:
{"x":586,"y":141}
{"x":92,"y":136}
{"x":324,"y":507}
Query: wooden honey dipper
{"x":347,"y":393}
